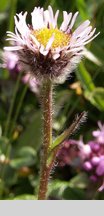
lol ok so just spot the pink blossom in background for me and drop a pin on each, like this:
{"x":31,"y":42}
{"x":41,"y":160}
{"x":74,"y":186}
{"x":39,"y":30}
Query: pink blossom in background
{"x":32,"y":82}
{"x":99,"y":134}
{"x":11,"y":62}
{"x":90,"y":156}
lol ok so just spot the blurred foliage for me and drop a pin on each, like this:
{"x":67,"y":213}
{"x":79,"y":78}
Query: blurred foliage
{"x":84,"y":90}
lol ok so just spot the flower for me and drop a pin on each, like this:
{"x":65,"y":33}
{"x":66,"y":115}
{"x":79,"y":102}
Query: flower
{"x":100,"y":167}
{"x":10,"y":61}
{"x":67,"y":153}
{"x":99,"y":134}
{"x":46,"y":50}
{"x":93,"y":162}
{"x":32,"y":82}
{"x":88,"y":157}
{"x":101,"y":188}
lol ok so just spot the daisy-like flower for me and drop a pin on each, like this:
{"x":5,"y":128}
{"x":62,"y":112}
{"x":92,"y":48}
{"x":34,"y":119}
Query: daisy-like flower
{"x":46,"y":50}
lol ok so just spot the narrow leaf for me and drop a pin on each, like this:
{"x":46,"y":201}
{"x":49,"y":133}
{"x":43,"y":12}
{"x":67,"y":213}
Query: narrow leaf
{"x":69,"y":131}
{"x":85,"y":78}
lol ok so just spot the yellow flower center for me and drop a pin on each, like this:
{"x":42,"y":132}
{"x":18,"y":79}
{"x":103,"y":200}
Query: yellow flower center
{"x":43,"y":35}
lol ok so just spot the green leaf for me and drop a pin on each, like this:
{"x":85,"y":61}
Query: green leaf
{"x":73,"y":194}
{"x":25,"y":197}
{"x":93,"y":94}
{"x":20,"y":162}
{"x":68,"y":131}
{"x":32,"y":134}
{"x":4,"y":145}
{"x":57,"y":188}
{"x":81,"y":5}
{"x":26,"y":157}
{"x":66,"y":190}
{"x":79,"y":181}
{"x":85,"y":78}
{"x":25,"y":151}
{"x":96,"y":97}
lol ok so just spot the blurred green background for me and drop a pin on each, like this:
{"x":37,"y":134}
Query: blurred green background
{"x":20,"y":115}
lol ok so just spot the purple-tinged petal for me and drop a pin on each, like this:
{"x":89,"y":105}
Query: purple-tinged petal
{"x":100,"y":168}
{"x":87,"y":166}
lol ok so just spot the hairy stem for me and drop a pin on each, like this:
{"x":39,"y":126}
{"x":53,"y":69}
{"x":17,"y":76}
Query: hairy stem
{"x":47,"y":138}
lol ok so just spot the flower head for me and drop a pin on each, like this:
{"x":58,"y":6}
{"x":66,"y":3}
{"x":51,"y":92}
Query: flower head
{"x":47,"y":50}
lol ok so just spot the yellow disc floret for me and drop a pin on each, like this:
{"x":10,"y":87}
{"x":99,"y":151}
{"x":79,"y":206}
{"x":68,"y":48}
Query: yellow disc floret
{"x":43,"y":35}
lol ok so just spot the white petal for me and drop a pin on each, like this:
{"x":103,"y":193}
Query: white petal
{"x":37,"y":18}
{"x":56,"y":56}
{"x":67,"y":17}
{"x":87,"y":39}
{"x":49,"y":18}
{"x":35,"y":40}
{"x":12,"y":36}
{"x":13,"y":48}
{"x":46,"y":17}
{"x":50,"y":12}
{"x":84,"y":33}
{"x":73,"y":20}
{"x":75,"y":49}
{"x":56,"y":17}
{"x":10,"y":33}
{"x":81,"y":37}
{"x":13,"y":39}
{"x":49,"y":44}
{"x":43,"y":51}
{"x":86,"y":36}
{"x":81,"y":28}
{"x":91,"y":38}
{"x":58,"y":49}
{"x":91,"y":34}
{"x":20,"y":23}
{"x":51,"y":15}
{"x":31,"y":46}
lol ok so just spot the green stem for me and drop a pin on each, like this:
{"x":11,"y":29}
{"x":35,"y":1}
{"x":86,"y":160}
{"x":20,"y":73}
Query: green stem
{"x":19,"y":107}
{"x":47,"y":138}
{"x":13,"y":4}
{"x":3,"y":170}
{"x":12,"y":105}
